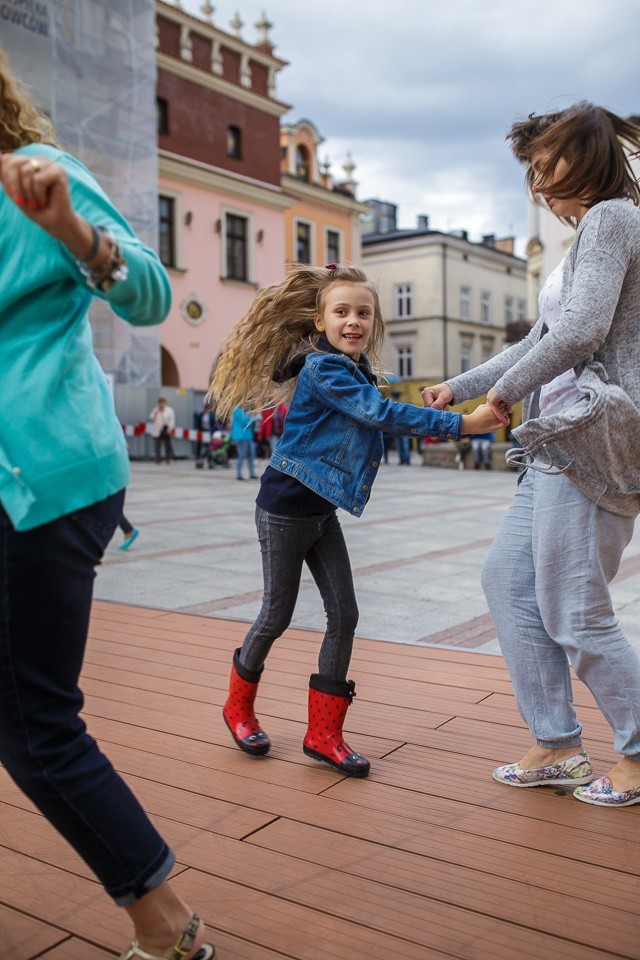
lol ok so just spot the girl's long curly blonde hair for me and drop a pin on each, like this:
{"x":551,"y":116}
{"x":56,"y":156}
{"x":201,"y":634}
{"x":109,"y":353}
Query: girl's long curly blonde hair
{"x":21,"y":122}
{"x":278,"y":325}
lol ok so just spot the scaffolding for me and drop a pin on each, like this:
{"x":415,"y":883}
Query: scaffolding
{"x":101,"y":97}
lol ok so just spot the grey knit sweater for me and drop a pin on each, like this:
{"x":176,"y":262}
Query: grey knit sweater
{"x":597,"y":440}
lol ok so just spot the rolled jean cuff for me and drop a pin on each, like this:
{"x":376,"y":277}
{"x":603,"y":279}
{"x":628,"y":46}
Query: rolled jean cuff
{"x":575,"y":740}
{"x":145,"y":884}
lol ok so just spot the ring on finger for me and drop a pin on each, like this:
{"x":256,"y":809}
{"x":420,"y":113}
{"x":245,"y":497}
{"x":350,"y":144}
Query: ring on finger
{"x":35,"y":165}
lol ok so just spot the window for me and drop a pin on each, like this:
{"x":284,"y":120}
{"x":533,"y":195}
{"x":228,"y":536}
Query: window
{"x":333,"y":246}
{"x":466,"y":349}
{"x":404,"y":360}
{"x":236,"y":241}
{"x":166,"y":217}
{"x":234,"y":142}
{"x":302,"y":163}
{"x":465,"y":303}
{"x":522,"y":311}
{"x":485,"y":307}
{"x":303,"y":242}
{"x":162,"y":115}
{"x":487,"y":348}
{"x":403,"y":301}
{"x":508,"y":309}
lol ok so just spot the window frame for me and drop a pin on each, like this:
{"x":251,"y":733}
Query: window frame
{"x":465,"y":302}
{"x":297,"y":223}
{"x":404,"y":358}
{"x":403,"y":296}
{"x":172,"y":221}
{"x":509,"y":311}
{"x":233,"y":130}
{"x":339,"y":234}
{"x":485,"y":307}
{"x":466,"y":351}
{"x":229,"y":241}
{"x":162,"y":116}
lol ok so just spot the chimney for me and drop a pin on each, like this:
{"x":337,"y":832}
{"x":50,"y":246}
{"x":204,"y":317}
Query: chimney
{"x":423,"y":221}
{"x":489,"y":239}
{"x":505,"y":244}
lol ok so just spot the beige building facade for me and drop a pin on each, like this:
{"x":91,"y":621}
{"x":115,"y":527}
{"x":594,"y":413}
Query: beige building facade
{"x":448,"y":303}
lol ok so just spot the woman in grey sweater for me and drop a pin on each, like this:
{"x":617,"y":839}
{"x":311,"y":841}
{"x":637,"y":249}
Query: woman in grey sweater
{"x":547,"y":575}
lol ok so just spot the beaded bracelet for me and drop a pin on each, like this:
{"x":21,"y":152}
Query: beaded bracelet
{"x":107,"y":274}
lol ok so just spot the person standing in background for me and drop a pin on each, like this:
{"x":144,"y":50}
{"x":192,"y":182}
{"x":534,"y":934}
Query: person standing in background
{"x":163,"y":424}
{"x":242,"y":424}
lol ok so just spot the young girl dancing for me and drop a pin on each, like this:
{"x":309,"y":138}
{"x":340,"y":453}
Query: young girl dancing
{"x":305,"y":338}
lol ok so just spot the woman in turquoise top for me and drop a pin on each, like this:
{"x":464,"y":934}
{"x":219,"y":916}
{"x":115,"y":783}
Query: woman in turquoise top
{"x":62,"y":243}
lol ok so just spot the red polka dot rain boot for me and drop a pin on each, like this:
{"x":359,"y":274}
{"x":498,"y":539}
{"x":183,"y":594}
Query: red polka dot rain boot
{"x":328,"y":704}
{"x":238,"y":710}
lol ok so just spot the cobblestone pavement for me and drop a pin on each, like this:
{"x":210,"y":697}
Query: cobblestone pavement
{"x":416,"y":553}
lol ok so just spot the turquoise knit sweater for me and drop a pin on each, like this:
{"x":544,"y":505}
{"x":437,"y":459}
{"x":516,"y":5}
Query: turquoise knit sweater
{"x":61,"y":446}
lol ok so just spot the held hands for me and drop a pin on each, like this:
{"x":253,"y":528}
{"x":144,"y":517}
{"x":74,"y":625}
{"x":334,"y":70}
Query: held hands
{"x":482,"y":420}
{"x":439,"y":396}
{"x":500,"y":407}
{"x":39,"y":187}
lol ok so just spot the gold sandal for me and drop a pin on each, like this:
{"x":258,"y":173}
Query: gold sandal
{"x":181,"y":949}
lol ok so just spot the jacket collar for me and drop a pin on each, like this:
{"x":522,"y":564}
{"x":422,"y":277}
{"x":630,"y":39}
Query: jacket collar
{"x":288,"y":369}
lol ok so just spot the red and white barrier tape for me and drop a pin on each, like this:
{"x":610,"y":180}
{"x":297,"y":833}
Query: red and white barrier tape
{"x":180,"y":433}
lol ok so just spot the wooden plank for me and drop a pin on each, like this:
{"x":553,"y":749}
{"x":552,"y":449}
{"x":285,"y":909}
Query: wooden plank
{"x":74,"y":949}
{"x":371,"y":918}
{"x":555,"y":872}
{"x":428,"y":859}
{"x":23,"y":937}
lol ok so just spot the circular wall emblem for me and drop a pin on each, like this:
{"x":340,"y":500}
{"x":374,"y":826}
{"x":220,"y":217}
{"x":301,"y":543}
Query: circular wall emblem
{"x":193,"y":310}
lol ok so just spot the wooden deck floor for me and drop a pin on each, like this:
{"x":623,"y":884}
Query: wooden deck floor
{"x":427,"y":859}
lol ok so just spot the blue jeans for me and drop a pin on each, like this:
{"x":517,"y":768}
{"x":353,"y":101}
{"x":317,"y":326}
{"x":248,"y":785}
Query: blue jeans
{"x":46,"y":585}
{"x":244,"y":449}
{"x":286,"y":543}
{"x":404,"y":449}
{"x":546,"y":580}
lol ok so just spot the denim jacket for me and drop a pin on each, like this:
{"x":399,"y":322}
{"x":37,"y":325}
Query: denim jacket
{"x":332,"y":441}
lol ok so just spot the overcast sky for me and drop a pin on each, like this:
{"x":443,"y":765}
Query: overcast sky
{"x":421,"y":92}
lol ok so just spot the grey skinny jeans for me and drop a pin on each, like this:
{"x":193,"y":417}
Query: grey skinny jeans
{"x":546,"y":581}
{"x":286,"y":544}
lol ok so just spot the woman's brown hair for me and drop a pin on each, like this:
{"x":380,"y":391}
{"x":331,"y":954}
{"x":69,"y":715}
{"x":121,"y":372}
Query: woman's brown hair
{"x":21,"y":122}
{"x":279,"y":324}
{"x":595,"y":143}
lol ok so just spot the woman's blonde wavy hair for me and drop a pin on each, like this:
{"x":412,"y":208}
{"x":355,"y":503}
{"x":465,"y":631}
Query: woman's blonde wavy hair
{"x":278,"y":325}
{"x":21,"y":122}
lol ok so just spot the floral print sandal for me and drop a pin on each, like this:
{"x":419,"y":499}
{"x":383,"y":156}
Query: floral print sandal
{"x":567,"y":773}
{"x":602,"y":794}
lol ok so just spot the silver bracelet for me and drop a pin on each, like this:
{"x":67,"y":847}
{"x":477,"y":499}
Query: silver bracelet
{"x":112,"y":271}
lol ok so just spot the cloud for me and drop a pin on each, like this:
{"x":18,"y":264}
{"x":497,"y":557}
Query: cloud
{"x":421,"y":93}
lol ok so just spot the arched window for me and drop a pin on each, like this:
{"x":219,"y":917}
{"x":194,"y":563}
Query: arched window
{"x":303,"y":167}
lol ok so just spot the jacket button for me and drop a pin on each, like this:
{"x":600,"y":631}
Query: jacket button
{"x":283,"y":463}
{"x":365,"y":486}
{"x":16,"y":471}
{"x":374,"y":463}
{"x":356,"y":509}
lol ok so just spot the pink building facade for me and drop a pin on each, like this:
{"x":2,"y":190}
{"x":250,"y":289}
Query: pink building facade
{"x":206,"y":301}
{"x":221,"y":204}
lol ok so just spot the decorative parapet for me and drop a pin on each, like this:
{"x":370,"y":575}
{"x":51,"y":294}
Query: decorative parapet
{"x":198,"y":42}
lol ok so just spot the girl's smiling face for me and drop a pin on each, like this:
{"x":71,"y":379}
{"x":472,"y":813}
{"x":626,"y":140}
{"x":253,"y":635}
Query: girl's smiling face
{"x":347,"y":317}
